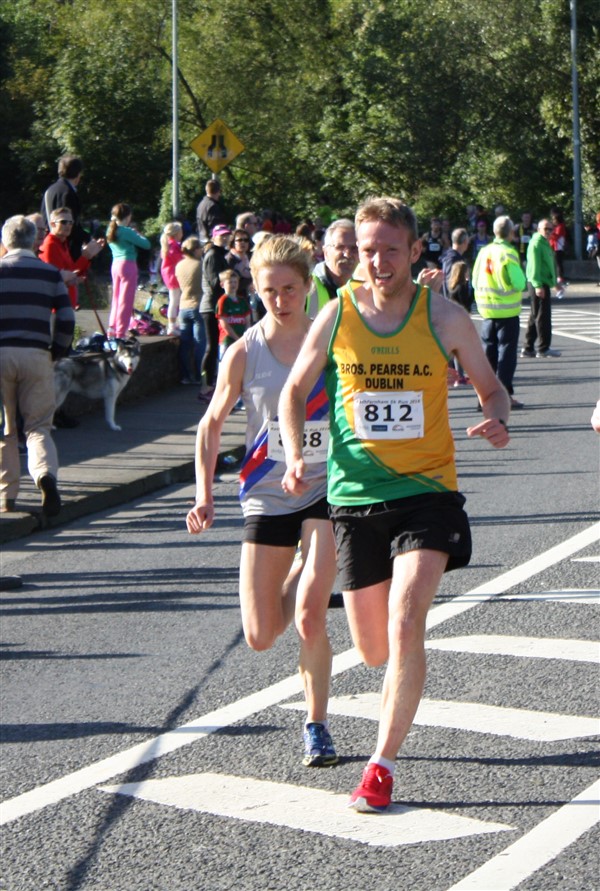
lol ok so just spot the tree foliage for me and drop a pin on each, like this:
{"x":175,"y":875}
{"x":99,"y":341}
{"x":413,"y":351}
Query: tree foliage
{"x":442,"y":103}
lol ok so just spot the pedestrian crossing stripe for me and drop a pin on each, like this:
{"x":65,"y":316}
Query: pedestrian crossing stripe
{"x":566,"y":595}
{"x":520,"y":647}
{"x":305,"y":809}
{"x":571,"y":323}
{"x":471,"y":717}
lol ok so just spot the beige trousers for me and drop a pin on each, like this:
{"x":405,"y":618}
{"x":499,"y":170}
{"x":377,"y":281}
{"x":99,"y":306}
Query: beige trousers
{"x":26,"y":383}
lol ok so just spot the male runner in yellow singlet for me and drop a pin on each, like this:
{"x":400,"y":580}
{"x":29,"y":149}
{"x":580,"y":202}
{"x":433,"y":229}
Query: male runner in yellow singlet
{"x":399,"y":521}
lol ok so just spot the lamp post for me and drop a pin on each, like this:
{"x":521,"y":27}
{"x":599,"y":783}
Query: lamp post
{"x":175,"y":124}
{"x":578,"y":221}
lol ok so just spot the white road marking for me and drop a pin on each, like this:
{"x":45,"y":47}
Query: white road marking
{"x":513,"y":577}
{"x":567,"y":595}
{"x":298,"y":807}
{"x":537,"y":848}
{"x":566,"y":322}
{"x":472,"y":717}
{"x":526,"y":647}
{"x":594,"y":559}
{"x":101,"y":771}
{"x":569,"y":322}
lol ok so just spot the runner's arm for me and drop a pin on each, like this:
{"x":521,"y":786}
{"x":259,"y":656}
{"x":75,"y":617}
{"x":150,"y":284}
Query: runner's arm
{"x":208,"y":437}
{"x":459,"y":336}
{"x":308,"y":366}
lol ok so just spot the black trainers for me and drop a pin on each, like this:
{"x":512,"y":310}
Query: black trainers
{"x":527,"y":354}
{"x":51,"y":503}
{"x":63,"y":421}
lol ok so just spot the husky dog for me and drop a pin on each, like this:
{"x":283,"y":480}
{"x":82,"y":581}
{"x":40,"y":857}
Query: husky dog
{"x":98,"y":377}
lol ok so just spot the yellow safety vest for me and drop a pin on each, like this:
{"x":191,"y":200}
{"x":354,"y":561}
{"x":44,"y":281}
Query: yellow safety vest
{"x":498,"y":281}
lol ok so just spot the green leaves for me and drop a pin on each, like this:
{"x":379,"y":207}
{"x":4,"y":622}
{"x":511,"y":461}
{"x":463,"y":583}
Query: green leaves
{"x":442,"y":103}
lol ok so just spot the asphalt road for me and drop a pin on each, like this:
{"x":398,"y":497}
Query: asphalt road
{"x":145,"y":747}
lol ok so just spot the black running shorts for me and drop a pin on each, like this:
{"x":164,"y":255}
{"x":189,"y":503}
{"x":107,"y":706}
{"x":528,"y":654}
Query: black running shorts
{"x":284,"y":530}
{"x":369,"y":536}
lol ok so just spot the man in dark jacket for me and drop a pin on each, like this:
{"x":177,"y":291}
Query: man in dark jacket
{"x":210,"y":212}
{"x":460,"y":243}
{"x":213,"y":262}
{"x":63,"y":193}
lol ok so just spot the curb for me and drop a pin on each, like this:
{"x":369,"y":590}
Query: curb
{"x":22,"y":524}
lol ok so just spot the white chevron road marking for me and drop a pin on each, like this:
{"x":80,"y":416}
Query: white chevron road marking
{"x":471,"y":717}
{"x":521,"y":647}
{"x":299,"y":807}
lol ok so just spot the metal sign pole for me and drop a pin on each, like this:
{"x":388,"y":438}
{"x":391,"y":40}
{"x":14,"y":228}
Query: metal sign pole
{"x":577,"y":209}
{"x":175,"y":116}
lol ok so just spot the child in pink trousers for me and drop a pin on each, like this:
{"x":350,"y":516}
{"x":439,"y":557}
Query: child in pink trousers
{"x":123,"y":242}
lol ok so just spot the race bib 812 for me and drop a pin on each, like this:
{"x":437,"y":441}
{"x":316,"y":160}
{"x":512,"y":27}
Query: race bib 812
{"x":389,"y":415}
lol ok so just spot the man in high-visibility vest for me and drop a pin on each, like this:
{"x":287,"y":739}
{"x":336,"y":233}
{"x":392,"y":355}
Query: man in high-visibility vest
{"x":341,"y":254}
{"x":499,"y":282}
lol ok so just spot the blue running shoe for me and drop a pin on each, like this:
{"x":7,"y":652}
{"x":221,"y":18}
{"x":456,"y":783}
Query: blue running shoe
{"x":318,"y":747}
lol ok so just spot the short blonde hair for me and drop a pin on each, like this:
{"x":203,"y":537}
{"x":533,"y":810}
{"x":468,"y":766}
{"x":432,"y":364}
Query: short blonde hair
{"x":388,"y":210}
{"x":228,"y":274}
{"x":282,"y":250}
{"x":171,"y":230}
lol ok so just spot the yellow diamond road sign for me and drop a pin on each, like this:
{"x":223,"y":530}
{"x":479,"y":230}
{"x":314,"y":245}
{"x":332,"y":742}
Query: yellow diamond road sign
{"x":217,"y":146}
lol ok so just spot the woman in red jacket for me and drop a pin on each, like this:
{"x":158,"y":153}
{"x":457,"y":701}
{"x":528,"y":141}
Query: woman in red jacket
{"x":55,"y":250}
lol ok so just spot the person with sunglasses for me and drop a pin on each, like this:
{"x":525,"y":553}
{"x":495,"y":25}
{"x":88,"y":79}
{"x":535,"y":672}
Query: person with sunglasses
{"x":238,"y":259}
{"x":55,"y":250}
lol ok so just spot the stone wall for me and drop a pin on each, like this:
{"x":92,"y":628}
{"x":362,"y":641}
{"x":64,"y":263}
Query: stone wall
{"x":581,"y":270}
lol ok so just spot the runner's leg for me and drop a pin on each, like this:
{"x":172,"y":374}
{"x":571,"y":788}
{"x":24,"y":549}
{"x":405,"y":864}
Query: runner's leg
{"x":367,"y":615}
{"x":314,"y":587}
{"x":267,"y":594}
{"x":416,"y":578}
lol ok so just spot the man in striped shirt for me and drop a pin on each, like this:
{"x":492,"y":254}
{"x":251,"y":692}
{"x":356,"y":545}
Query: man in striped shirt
{"x":31,"y":292}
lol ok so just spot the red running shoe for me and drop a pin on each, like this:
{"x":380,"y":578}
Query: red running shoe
{"x":375,"y":791}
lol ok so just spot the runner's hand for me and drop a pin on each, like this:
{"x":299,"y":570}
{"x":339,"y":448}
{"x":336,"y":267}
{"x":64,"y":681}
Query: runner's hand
{"x":433,"y":278}
{"x":292,"y":481}
{"x":200,"y":518}
{"x":493,"y":430}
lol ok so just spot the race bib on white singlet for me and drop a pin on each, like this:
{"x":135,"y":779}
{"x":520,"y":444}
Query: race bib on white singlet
{"x":316,"y":442}
{"x":389,"y":415}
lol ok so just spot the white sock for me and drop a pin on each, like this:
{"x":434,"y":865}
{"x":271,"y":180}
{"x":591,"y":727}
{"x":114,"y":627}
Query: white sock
{"x":384,"y":762}
{"x":310,"y":721}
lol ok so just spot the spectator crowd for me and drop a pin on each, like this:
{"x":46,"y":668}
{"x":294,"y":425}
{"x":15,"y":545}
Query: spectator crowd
{"x":205,"y":274}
